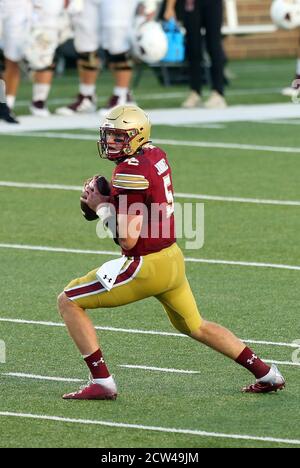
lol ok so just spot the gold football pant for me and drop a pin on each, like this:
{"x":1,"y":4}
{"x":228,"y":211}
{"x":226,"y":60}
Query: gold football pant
{"x":160,"y":274}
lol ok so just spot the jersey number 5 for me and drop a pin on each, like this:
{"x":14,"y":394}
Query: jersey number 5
{"x":169,"y":195}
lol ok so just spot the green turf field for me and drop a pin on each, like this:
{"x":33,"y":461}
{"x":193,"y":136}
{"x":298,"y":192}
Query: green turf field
{"x":259,"y":303}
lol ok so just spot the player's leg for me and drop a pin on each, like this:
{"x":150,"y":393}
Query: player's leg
{"x":8,"y":101}
{"x":224,"y":341}
{"x":87,"y":293}
{"x":140,"y":277}
{"x":184,"y":315}
{"x":194,"y":45}
{"x":72,"y":305}
{"x":46,"y":30}
{"x":42,"y":80}
{"x":15,"y":29}
{"x":213,"y":19}
{"x":117,"y":20}
{"x":293,"y":90}
{"x":86,"y":25}
{"x":121,"y":66}
{"x":12,"y":77}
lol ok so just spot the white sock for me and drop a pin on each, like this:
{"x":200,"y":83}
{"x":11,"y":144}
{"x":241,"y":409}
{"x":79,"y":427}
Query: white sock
{"x":87,"y":90}
{"x":120,"y":92}
{"x":107,"y":383}
{"x":10,"y":101}
{"x":298,"y":67}
{"x":40,"y":92}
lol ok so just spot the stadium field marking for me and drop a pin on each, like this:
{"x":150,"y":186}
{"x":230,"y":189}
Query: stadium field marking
{"x":136,"y":331}
{"x":165,"y":96}
{"x":140,"y":427}
{"x":279,"y":122}
{"x":222,"y":145}
{"x":41,"y":377}
{"x":206,"y":126}
{"x":158,"y":369}
{"x":168,"y":142}
{"x":191,"y":196}
{"x":114,"y":253}
{"x":283,"y":363}
{"x":22,"y":375}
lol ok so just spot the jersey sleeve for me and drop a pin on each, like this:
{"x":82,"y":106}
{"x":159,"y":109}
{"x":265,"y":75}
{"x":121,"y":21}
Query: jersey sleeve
{"x":125,"y":181}
{"x":131,"y":178}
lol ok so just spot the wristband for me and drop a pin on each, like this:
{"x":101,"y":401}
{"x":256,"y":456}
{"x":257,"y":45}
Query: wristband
{"x":103,"y":212}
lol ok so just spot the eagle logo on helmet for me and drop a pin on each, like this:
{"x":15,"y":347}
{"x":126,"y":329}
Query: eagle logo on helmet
{"x":124,"y":131}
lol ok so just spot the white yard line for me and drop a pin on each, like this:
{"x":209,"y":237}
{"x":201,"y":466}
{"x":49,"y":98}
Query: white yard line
{"x":159,"y":369}
{"x":222,"y":145}
{"x":60,"y":136}
{"x":257,"y":201}
{"x":191,"y":196}
{"x":283,"y":363}
{"x":21,"y":375}
{"x":170,"y":142}
{"x":205,"y":126}
{"x":246,"y":264}
{"x":280,"y":122}
{"x":140,"y":427}
{"x":4,"y":183}
{"x":58,"y":249}
{"x":115,"y":253}
{"x":137,"y":331}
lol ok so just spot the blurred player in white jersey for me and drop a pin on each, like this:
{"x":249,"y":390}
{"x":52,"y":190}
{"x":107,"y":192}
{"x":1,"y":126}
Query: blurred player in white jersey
{"x":14,"y":26}
{"x":294,"y":88}
{"x":105,"y":23}
{"x":49,"y":28}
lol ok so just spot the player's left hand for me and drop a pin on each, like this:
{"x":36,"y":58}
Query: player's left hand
{"x":92,"y":197}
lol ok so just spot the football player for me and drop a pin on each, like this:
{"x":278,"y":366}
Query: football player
{"x":294,"y":89}
{"x":50,"y":27}
{"x":285,"y":14}
{"x":152,"y":263}
{"x":107,"y":24}
{"x":15,"y":18}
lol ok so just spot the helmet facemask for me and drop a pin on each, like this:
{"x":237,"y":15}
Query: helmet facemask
{"x":115,"y":143}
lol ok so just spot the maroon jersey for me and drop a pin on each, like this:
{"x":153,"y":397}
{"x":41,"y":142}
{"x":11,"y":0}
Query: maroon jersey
{"x":143,"y":185}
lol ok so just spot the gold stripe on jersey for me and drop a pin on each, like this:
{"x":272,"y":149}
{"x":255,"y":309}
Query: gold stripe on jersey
{"x":130,"y":181}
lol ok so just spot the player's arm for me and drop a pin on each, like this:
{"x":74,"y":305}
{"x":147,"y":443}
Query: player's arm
{"x":129,"y":230}
{"x":130,"y":184}
{"x":170,"y":10}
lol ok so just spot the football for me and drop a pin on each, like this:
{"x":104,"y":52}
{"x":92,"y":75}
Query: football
{"x":104,"y":188}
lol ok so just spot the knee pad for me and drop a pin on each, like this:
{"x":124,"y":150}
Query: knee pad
{"x":50,"y":68}
{"x":88,"y":61}
{"x":119,"y":62}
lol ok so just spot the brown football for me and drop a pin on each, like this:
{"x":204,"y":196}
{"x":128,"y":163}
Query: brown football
{"x":104,"y":188}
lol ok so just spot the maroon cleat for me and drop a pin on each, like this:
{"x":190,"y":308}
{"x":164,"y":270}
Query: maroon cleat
{"x":119,"y":101}
{"x":272,"y":382}
{"x":92,"y":391}
{"x":81,"y":105}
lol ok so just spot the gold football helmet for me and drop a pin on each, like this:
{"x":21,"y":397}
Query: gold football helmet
{"x":124,"y":131}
